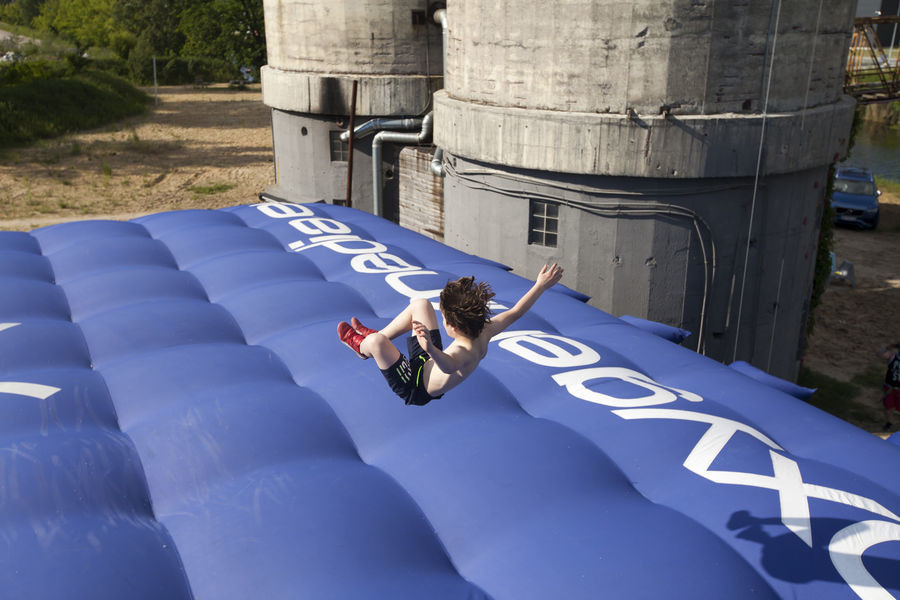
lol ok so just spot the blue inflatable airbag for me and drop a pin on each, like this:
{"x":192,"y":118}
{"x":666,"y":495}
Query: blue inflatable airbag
{"x":179,"y":420}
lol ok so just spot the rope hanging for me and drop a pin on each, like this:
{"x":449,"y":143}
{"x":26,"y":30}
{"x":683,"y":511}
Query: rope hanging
{"x":773,"y":24}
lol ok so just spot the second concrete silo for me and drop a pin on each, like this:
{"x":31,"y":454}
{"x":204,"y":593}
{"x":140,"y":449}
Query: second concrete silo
{"x":672,"y":155}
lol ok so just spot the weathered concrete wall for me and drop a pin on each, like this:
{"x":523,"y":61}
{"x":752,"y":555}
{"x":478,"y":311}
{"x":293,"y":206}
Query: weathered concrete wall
{"x":332,"y":94}
{"x":304,"y":171}
{"x":421,"y":193}
{"x":316,"y":48}
{"x":605,"y":56}
{"x":646,"y":88}
{"x":373,"y":37}
{"x":672,"y":253}
{"x":677,"y":146}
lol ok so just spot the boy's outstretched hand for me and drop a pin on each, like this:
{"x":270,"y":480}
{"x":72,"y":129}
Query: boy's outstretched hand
{"x":549,"y":276}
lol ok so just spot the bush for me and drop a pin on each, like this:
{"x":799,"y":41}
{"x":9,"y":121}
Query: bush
{"x":114,"y":66}
{"x":30,"y":70}
{"x":177,"y":70}
{"x":122,"y":43}
{"x":10,"y":13}
{"x":33,"y":69}
{"x":42,"y":108}
{"x":822,"y":269}
{"x":894,"y":114}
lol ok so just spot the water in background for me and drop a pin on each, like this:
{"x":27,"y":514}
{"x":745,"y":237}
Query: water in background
{"x":877,"y":148}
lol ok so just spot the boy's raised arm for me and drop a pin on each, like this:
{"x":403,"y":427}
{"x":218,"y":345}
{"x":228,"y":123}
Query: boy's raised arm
{"x":546,"y":279}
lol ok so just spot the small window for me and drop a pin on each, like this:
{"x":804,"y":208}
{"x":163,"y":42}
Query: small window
{"x":543,"y":224}
{"x":338,"y":148}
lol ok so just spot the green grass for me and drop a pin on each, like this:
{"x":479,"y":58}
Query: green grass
{"x":46,"y":108}
{"x":839,"y":397}
{"x":215,"y":188}
{"x":137,"y":145}
{"x":20,"y":30}
{"x":888,"y":185}
{"x":832,"y":396}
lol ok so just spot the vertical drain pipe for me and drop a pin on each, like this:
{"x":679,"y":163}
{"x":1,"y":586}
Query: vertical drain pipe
{"x":440,"y":17}
{"x":351,"y":126}
{"x":380,"y":138}
{"x":370,"y":127}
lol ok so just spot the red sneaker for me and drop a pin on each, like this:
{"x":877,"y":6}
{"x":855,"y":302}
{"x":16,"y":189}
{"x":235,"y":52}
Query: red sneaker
{"x":350,"y":338}
{"x":360,"y":328}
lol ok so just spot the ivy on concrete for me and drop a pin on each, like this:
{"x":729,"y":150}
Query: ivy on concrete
{"x":826,"y":233}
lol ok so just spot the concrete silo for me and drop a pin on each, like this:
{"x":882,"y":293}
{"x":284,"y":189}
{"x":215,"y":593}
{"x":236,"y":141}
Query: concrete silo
{"x":673,"y":155}
{"x":316,"y":50}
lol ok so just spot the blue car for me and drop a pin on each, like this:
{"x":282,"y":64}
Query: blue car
{"x":855,"y":198}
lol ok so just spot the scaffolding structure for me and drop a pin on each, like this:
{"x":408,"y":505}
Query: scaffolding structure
{"x":873,"y":74}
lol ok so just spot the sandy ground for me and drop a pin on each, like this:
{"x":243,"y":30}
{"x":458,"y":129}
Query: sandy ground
{"x":211,"y":148}
{"x":854,"y":322}
{"x":198,"y":148}
{"x":9,"y":37}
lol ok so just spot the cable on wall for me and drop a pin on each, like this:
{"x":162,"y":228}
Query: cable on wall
{"x":773,"y":24}
{"x":611,"y":209}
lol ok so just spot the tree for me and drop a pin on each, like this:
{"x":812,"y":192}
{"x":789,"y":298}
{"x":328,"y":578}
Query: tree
{"x":85,"y":23}
{"x":20,"y":12}
{"x":229,"y":29}
{"x":24,"y":10}
{"x":154,"y":23}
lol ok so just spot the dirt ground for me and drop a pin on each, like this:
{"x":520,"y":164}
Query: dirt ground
{"x":198,"y":148}
{"x":855,"y":321}
{"x":212,"y":147}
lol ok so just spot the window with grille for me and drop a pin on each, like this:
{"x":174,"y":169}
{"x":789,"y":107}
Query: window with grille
{"x":338,"y":147}
{"x":543,"y":224}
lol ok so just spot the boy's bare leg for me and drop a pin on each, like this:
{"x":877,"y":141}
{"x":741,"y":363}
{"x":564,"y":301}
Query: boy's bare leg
{"x":419,"y":309}
{"x":381,"y":349}
{"x":379,"y":345}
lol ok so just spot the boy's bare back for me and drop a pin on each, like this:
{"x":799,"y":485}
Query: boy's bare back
{"x":450,"y":367}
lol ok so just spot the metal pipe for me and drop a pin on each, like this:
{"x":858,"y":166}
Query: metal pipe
{"x":349,"y":199}
{"x":437,"y":164}
{"x":373,"y":125}
{"x":440,"y":17}
{"x":395,"y":137}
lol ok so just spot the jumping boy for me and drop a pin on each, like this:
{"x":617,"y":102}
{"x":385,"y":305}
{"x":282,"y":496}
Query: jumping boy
{"x":430,"y":371}
{"x":891,"y":387}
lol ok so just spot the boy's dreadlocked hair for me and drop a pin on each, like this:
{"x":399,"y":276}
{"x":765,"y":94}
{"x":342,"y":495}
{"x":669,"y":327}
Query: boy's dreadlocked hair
{"x":465,"y":305}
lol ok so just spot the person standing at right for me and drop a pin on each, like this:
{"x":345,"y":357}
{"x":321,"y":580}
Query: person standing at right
{"x":891,"y":387}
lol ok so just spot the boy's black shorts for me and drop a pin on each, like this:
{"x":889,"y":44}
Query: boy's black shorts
{"x":405,"y":376}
